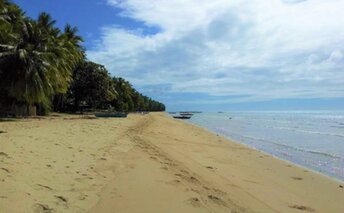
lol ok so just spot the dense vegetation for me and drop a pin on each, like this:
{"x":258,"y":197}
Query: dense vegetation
{"x":44,"y":67}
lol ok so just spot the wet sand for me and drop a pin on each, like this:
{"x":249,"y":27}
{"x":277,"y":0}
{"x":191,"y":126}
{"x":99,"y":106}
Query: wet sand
{"x":147,"y":163}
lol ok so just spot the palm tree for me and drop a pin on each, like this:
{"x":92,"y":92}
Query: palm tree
{"x":36,"y":59}
{"x":39,"y":61}
{"x":124,"y":102}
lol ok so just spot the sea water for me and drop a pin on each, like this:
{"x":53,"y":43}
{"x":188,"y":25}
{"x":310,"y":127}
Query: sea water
{"x":311,"y":139}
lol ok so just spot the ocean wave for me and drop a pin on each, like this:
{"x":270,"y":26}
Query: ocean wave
{"x":338,"y":127}
{"x":277,"y":135}
{"x":292,"y":147}
{"x":308,"y":131}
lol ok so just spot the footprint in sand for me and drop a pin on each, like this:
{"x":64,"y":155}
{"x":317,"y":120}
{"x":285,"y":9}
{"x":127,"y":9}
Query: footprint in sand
{"x":193,"y":179}
{"x":152,"y":157}
{"x":45,"y":187}
{"x":4,"y":154}
{"x":6,"y":170}
{"x":210,"y":167}
{"x":164,"y":168}
{"x":217,"y":200}
{"x":174,"y":182}
{"x":179,"y":175}
{"x":41,"y":208}
{"x":194,"y":201}
{"x":184,"y":171}
{"x":297,"y":178}
{"x":187,"y":178}
{"x":206,"y":188}
{"x":62,"y":199}
{"x":83,"y":196}
{"x":1,"y":132}
{"x":218,"y":191}
{"x":302,"y":208}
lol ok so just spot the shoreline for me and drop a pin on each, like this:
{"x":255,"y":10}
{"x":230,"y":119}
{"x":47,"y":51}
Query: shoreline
{"x":274,"y":156}
{"x":333,"y":170}
{"x":148,"y":163}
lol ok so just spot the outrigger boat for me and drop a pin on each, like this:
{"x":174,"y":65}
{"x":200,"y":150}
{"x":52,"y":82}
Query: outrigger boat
{"x":182,"y":117}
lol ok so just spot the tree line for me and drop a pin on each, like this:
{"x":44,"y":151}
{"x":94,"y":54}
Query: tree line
{"x":43,"y":68}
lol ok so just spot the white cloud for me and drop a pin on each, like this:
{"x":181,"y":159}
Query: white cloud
{"x":336,"y":56}
{"x":264,"y":49}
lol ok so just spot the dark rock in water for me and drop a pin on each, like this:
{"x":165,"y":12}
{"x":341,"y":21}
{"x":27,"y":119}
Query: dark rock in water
{"x":230,"y":118}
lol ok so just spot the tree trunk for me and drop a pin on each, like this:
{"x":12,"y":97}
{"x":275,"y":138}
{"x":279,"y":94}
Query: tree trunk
{"x":24,"y":110}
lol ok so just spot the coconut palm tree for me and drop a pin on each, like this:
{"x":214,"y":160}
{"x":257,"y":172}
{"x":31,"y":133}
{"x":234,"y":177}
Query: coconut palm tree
{"x":36,"y":59}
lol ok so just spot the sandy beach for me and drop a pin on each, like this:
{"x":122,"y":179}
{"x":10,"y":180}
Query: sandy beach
{"x":147,"y":163}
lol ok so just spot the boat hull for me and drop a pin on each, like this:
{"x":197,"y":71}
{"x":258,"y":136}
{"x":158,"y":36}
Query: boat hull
{"x":182,"y":117}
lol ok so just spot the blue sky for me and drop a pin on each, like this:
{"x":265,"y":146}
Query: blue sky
{"x":216,"y":55}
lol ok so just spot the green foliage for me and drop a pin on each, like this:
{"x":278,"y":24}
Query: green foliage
{"x":131,"y":100}
{"x":91,"y":86}
{"x":40,"y":63}
{"x":36,"y":59}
